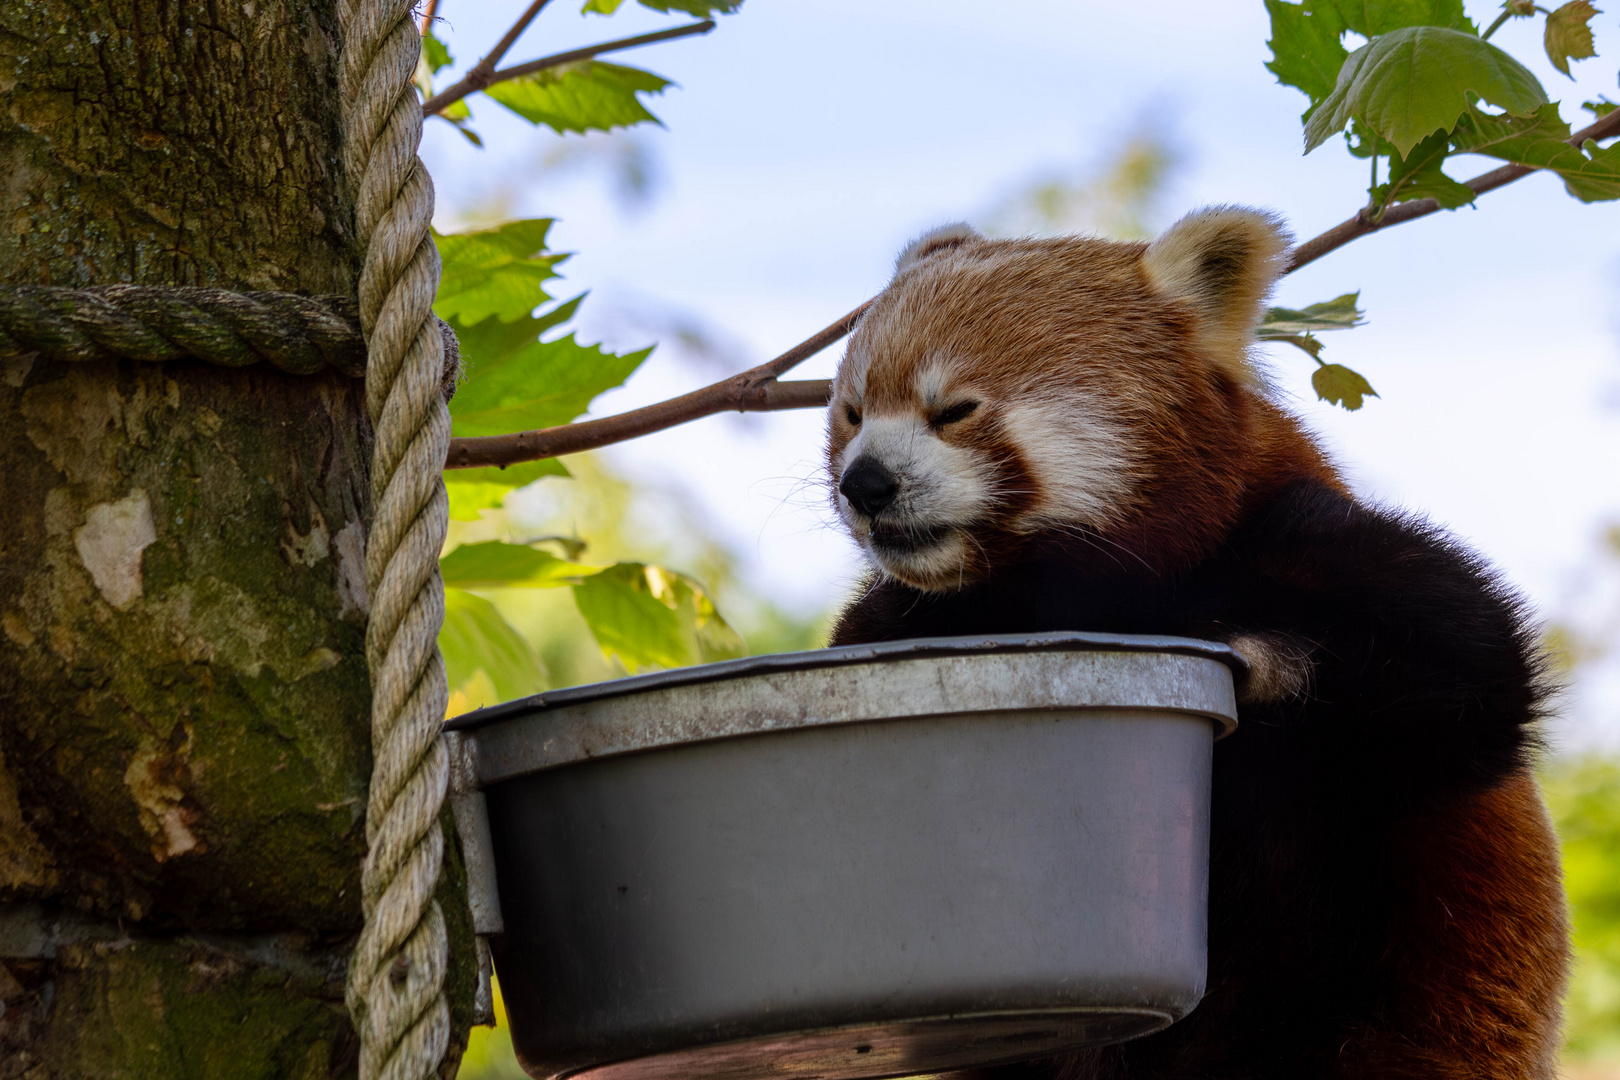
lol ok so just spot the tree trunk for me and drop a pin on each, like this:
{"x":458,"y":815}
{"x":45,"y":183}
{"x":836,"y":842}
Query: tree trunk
{"x":184,"y":746}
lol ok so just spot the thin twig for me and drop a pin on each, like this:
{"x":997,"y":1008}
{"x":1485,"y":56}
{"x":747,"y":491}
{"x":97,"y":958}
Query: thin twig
{"x":468,"y":85}
{"x":483,"y":72}
{"x":429,"y":13}
{"x":755,"y":390}
{"x":1360,"y":225}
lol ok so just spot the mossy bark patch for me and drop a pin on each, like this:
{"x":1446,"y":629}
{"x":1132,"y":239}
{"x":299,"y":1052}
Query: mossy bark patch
{"x":184,"y":744}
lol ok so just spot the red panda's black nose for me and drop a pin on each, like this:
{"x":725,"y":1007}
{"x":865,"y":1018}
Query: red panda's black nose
{"x":868,"y":486}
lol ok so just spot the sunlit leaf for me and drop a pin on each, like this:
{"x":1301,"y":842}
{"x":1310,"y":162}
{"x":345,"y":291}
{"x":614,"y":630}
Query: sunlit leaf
{"x":1305,"y":48}
{"x":651,"y":617}
{"x":472,"y":490}
{"x":1339,"y":385}
{"x":1369,"y":18}
{"x":587,"y":95}
{"x":1418,"y":176}
{"x":1340,"y":313}
{"x":476,"y":638}
{"x":544,"y":384}
{"x":700,"y":8}
{"x":629,"y":621}
{"x":1591,"y":173}
{"x":1567,"y":36}
{"x":1412,"y":82}
{"x":494,"y":564}
{"x":436,"y":53}
{"x":494,"y":272}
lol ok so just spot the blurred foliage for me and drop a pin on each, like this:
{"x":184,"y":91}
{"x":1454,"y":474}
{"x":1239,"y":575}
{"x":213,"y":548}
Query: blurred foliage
{"x":1120,"y":198}
{"x":1584,"y":796}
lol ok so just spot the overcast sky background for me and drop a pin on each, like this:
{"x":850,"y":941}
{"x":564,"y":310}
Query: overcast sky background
{"x":807,"y":142}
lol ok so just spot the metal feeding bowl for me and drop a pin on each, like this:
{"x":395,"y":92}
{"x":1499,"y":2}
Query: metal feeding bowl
{"x":860,"y":862}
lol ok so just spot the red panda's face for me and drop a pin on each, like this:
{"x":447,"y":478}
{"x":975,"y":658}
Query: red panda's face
{"x":999,"y":391}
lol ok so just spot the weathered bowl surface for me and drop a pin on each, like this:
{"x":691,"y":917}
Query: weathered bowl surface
{"x":861,"y":862}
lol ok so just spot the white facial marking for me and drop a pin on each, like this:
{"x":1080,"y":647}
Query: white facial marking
{"x":1082,"y":460}
{"x":931,"y":382}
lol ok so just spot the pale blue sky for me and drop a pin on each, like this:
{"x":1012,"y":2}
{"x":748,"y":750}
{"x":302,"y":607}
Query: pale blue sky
{"x":807,"y":142}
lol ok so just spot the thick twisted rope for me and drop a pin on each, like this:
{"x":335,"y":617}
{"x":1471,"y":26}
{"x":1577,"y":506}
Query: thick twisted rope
{"x":396,"y":976}
{"x":298,"y":334}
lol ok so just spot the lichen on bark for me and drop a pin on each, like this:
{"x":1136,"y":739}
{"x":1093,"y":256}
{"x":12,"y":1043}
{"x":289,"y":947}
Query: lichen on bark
{"x":183,"y":696}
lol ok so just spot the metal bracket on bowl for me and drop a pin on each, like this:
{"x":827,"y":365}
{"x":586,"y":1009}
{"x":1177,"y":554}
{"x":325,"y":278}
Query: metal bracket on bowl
{"x":471,"y":813}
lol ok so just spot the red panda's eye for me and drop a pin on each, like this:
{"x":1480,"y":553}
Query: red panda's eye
{"x":852,"y":416}
{"x":960,"y":411}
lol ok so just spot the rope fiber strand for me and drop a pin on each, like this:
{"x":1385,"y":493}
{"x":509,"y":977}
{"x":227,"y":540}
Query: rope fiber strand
{"x":395,"y":987}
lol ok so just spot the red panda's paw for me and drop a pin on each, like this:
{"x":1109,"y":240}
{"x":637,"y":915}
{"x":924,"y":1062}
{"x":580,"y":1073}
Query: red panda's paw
{"x":1279,"y":667}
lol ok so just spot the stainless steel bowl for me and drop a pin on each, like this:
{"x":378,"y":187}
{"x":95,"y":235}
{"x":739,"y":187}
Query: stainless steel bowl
{"x":859,"y":862}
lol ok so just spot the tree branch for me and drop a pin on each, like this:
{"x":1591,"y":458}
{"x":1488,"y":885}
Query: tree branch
{"x":1360,"y":225}
{"x":475,"y":81}
{"x":429,"y":13}
{"x":757,"y":390}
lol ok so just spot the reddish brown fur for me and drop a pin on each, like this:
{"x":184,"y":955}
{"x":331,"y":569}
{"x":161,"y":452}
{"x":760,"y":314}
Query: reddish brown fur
{"x":1478,"y":963}
{"x":1041,"y":318}
{"x":1386,"y":896}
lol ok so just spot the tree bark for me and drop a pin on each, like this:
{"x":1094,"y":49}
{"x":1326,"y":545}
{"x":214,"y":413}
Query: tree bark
{"x":184,"y":746}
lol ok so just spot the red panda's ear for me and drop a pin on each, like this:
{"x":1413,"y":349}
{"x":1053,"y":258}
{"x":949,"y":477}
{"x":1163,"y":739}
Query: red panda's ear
{"x":1223,"y":262}
{"x":944,"y":238}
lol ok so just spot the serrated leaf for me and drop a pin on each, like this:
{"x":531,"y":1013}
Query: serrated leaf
{"x":587,"y":95}
{"x":436,"y":53}
{"x":1418,"y":175}
{"x":1409,"y":83}
{"x":476,"y":638}
{"x":1567,"y":36}
{"x":495,"y":272}
{"x":700,"y":8}
{"x":542,"y":385}
{"x":600,"y":7}
{"x":1339,"y":385}
{"x":472,"y":490}
{"x":1305,"y":48}
{"x":1600,"y":108}
{"x":494,"y":564}
{"x":1591,"y":173}
{"x":1340,"y":313}
{"x":651,"y":617}
{"x":1369,"y":18}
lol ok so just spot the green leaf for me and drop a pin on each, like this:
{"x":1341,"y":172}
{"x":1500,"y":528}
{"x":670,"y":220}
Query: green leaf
{"x":472,"y":490}
{"x":1591,"y":173}
{"x":1305,"y":48}
{"x":1339,"y":385}
{"x":494,"y":272}
{"x":494,"y":564}
{"x":1600,"y":108}
{"x":1340,"y":313}
{"x":1409,"y":83}
{"x":587,"y":95}
{"x":629,"y":621}
{"x":476,"y":638}
{"x":544,"y":384}
{"x":436,"y":53}
{"x":1567,"y":37}
{"x":700,"y":8}
{"x":1418,"y":176}
{"x":651,"y":617}
{"x":1369,"y":18}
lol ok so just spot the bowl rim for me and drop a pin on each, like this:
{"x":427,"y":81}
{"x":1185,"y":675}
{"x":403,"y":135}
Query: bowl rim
{"x":904,"y":649}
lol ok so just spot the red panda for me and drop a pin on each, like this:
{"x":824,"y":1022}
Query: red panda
{"x":1070,"y":434}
